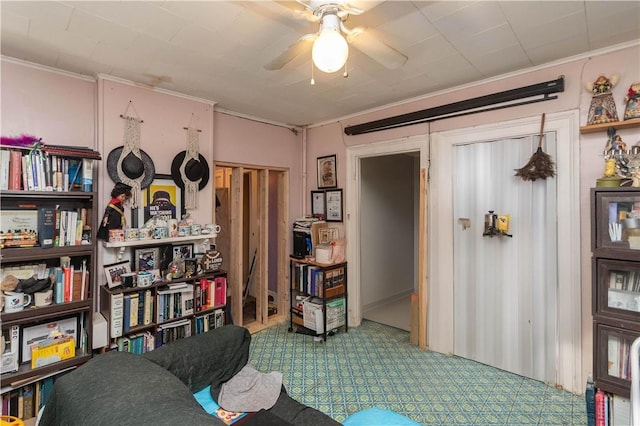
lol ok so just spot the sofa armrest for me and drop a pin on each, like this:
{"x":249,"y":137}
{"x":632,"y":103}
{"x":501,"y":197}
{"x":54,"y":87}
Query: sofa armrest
{"x":119,"y":388}
{"x":210,"y":358}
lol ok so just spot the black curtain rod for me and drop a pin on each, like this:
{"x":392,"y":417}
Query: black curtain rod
{"x":459,"y":108}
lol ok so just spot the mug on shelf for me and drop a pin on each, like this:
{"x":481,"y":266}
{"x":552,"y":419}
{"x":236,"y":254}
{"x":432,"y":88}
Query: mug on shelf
{"x":145,"y":233}
{"x":43,"y":298}
{"x":172,"y":224}
{"x":129,"y":279}
{"x":145,"y":279}
{"x":116,"y":235}
{"x":131,"y":234}
{"x":14,"y":302}
{"x":213,"y":228}
{"x":184,"y":230}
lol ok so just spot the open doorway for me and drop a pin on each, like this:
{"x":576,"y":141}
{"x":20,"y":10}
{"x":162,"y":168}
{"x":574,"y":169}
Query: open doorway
{"x":369,"y":199}
{"x":251,"y":208}
{"x":389,"y":195}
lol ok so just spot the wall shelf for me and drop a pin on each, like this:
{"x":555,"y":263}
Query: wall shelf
{"x":122,"y":245}
{"x":616,"y":124}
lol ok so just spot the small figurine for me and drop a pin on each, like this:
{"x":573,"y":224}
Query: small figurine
{"x":603,"y":107}
{"x":114,"y":217}
{"x":632,"y":100}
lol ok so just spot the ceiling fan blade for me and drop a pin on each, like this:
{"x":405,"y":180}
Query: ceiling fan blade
{"x":299,"y":10}
{"x":363,"y":5}
{"x":303,"y":44}
{"x":367,"y":42}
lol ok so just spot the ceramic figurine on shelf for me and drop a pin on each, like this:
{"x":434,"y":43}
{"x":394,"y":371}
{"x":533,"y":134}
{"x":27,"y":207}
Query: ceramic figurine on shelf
{"x":603,"y":107}
{"x":632,"y":101}
{"x":114,"y":217}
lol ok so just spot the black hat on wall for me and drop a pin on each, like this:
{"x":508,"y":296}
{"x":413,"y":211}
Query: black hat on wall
{"x":194,"y":170}
{"x":132,"y":167}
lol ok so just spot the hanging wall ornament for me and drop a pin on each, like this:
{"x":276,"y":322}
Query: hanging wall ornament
{"x":129,"y":164}
{"x":190,"y":170}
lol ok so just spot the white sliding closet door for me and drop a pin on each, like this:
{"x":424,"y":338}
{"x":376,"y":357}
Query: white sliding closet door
{"x":505,"y":289}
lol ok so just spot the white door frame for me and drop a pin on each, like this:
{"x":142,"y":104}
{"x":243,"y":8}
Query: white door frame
{"x":352,"y":208}
{"x":440,"y":324}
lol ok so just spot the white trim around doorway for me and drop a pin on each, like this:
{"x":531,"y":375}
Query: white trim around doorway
{"x":417,"y":144}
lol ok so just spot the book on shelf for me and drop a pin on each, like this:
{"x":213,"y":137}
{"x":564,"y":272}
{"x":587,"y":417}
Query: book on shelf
{"x":116,"y":314}
{"x":133,"y":312}
{"x":11,"y":354}
{"x":5,"y":163}
{"x":87,"y":175}
{"x":15,"y":170}
{"x":148,"y":307}
{"x":46,"y":226}
{"x":220,"y":297}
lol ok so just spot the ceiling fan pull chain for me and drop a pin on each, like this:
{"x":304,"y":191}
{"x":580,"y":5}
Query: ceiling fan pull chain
{"x":313,"y":82}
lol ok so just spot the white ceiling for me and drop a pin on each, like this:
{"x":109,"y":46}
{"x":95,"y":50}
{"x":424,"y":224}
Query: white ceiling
{"x":216,"y":50}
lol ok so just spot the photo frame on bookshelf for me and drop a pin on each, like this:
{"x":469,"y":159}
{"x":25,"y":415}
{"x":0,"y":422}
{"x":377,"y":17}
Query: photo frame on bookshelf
{"x":147,"y":258}
{"x":182,"y":251}
{"x":114,"y":271}
{"x":19,"y":227}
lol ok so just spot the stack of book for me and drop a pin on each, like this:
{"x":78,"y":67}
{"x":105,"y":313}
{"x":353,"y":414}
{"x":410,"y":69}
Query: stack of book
{"x":52,"y":168}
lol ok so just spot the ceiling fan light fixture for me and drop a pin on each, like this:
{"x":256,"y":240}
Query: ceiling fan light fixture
{"x":330,"y":50}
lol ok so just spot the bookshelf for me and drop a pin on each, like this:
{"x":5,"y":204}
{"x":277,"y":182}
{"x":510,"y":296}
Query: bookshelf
{"x":164,"y":311}
{"x":318,"y":287}
{"x":38,"y":245}
{"x":615,"y":285}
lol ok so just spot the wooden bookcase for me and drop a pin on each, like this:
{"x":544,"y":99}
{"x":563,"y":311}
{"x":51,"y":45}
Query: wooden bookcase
{"x":163,"y":315}
{"x":317,"y":286}
{"x":615,"y":288}
{"x":32,"y":324}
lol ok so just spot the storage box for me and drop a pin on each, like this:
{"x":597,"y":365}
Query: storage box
{"x":53,"y":350}
{"x":335,"y":314}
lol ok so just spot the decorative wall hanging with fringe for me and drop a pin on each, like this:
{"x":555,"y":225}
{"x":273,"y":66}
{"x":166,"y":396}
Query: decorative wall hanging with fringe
{"x":190,"y":170}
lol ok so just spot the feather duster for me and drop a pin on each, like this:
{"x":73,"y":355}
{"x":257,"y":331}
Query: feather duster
{"x":22,"y":141}
{"x":540,"y":165}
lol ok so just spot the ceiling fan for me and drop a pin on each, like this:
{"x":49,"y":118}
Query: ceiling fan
{"x":329,"y":45}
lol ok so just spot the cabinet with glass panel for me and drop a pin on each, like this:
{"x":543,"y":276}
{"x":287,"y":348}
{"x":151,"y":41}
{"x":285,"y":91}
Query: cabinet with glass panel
{"x":616,"y":284}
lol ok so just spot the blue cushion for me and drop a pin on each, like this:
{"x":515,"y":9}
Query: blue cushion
{"x":378,"y":416}
{"x":209,"y":405}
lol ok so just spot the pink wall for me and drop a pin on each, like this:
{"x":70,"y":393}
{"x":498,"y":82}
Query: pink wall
{"x":67,"y":109}
{"x":330,"y":138}
{"x":60,"y":108}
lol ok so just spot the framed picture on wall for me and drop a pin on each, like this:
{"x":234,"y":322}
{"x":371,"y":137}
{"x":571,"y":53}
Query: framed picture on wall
{"x":318,"y":205}
{"x":327,"y":177}
{"x":163,"y":198}
{"x":333,"y":203}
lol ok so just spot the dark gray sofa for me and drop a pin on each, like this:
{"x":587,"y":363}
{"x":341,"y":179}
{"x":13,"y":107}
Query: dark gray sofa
{"x":157,"y":387}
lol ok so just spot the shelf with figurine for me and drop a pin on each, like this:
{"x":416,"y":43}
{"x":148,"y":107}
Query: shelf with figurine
{"x":602,"y":111}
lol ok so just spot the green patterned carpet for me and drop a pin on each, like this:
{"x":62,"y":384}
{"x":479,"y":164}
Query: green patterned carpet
{"x":375,"y":366}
